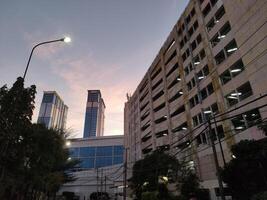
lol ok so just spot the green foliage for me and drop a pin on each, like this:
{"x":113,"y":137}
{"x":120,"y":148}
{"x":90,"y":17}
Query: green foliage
{"x":147,"y":171}
{"x":260,"y":196}
{"x":149,"y":196}
{"x":32,"y":157}
{"x":246,"y":175}
{"x":189,"y":186}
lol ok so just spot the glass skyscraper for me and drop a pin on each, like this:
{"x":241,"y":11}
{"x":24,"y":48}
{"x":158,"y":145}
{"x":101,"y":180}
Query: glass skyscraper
{"x":94,"y":116}
{"x":53,"y":111}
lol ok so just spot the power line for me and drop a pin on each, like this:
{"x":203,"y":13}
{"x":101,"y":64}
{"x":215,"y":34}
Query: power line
{"x":219,"y":115}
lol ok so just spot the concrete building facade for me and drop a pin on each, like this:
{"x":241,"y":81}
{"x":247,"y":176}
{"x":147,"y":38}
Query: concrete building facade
{"x":53,"y":111}
{"x":94,"y":115}
{"x":213,"y":62}
{"x":101,"y":167}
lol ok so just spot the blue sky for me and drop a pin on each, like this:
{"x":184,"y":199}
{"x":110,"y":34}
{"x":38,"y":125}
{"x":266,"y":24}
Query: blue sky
{"x":113,"y":44}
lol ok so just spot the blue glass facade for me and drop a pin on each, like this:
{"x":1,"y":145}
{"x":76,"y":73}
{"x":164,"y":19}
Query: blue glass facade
{"x":93,"y":121}
{"x":100,"y":156}
{"x":90,"y":122}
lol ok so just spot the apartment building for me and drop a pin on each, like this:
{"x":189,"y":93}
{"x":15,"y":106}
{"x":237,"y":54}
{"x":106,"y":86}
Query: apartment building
{"x":213,"y":62}
{"x":53,"y":111}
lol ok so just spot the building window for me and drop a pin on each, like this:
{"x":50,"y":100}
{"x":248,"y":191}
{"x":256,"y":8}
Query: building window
{"x":144,"y":106}
{"x":74,"y":152}
{"x":199,"y":38}
{"x":193,"y":45}
{"x":197,"y":119}
{"x":213,"y":2}
{"x":232,"y":72}
{"x":171,"y":57}
{"x":195,"y":25}
{"x":224,"y":30}
{"x":182,"y":127}
{"x":220,"y":57}
{"x":191,"y":84}
{"x":202,"y":54}
{"x":206,"y":10}
{"x":246,"y":120}
{"x":153,"y":76}
{"x":144,"y":116}
{"x":159,"y":107}
{"x":188,"y":69}
{"x":193,"y":12}
{"x":48,"y":98}
{"x":118,"y":150}
{"x":225,"y":77}
{"x":170,"y":46}
{"x":87,"y":151}
{"x":173,"y":83}
{"x":210,"y":24}
{"x":215,"y":40}
{"x":231,"y":48}
{"x":193,"y":101}
{"x":181,"y":44}
{"x":158,"y":95}
{"x":157,"y":84}
{"x":239,"y":94}
{"x":204,"y":94}
{"x":191,"y":31}
{"x":161,"y":119}
{"x":178,"y":111}
{"x":161,"y":133}
{"x":173,"y":69}
{"x":144,"y":85}
{"x":219,"y":14}
{"x":104,"y":151}
{"x":144,"y":95}
{"x":210,"y":88}
{"x":188,"y":19}
{"x":176,"y":96}
{"x":244,"y":91}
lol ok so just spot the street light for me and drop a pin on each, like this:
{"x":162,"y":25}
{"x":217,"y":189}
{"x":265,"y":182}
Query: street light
{"x":65,"y":39}
{"x":68,"y":143}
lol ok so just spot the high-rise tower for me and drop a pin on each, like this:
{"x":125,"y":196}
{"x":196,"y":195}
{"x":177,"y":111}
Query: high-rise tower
{"x":94,"y":116}
{"x":53,"y":111}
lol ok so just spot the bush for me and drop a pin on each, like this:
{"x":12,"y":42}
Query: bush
{"x":260,"y":196}
{"x":149,"y":196}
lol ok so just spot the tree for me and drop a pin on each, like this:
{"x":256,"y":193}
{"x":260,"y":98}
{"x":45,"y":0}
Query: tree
{"x":189,"y":186}
{"x":33,"y":160}
{"x":246,"y":174}
{"x":146,"y":173}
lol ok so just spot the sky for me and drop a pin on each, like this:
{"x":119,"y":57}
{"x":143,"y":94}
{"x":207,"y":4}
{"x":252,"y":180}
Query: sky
{"x":113,"y":44}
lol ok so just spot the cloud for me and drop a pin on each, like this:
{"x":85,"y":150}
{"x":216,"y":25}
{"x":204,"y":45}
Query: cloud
{"x":86,"y":73}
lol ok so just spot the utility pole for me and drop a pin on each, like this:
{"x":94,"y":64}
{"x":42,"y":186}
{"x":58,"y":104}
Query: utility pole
{"x":216,"y":127}
{"x":105,"y":183}
{"x":125,"y":175}
{"x":216,"y":162}
{"x":97,"y":182}
{"x":101,"y":182}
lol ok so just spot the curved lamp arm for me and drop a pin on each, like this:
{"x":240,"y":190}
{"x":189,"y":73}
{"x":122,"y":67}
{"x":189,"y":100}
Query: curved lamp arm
{"x":51,"y":41}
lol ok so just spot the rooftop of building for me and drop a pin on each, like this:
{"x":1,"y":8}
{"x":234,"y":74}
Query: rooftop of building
{"x":55,"y":93}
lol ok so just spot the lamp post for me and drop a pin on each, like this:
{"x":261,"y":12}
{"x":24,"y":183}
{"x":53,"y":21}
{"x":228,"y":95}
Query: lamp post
{"x":65,"y":39}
